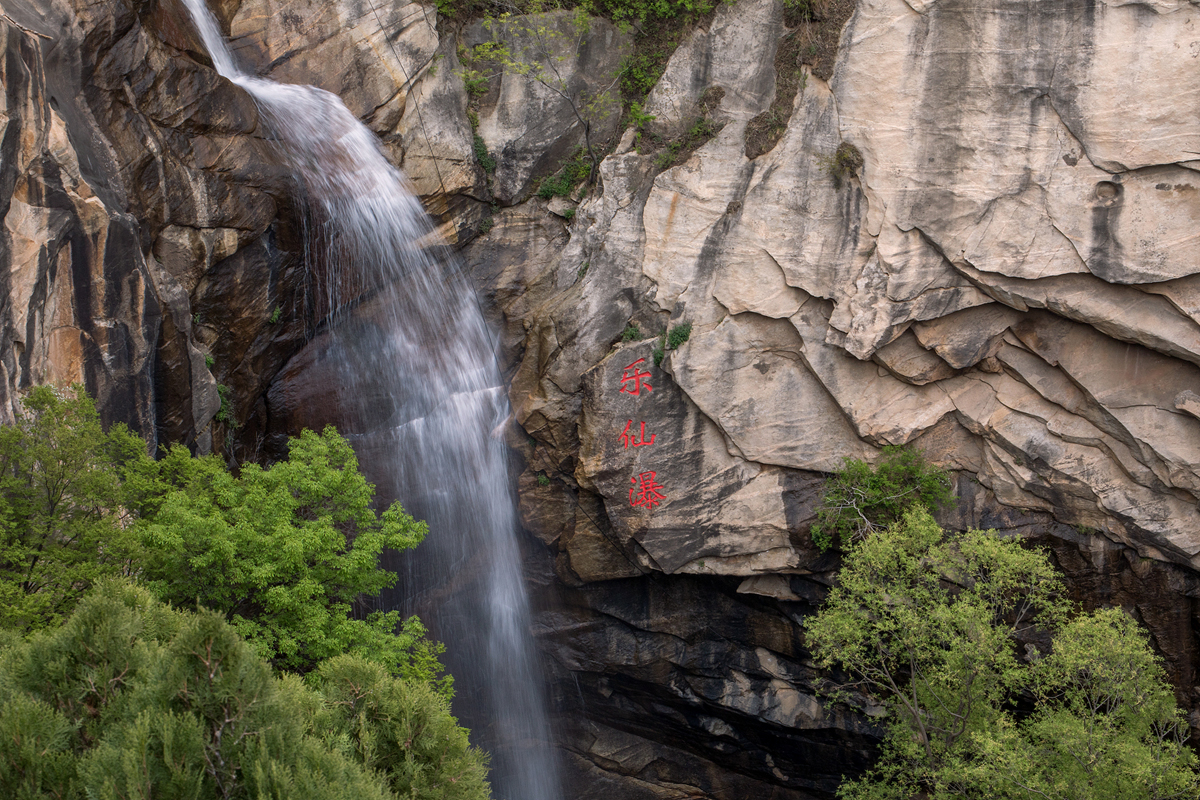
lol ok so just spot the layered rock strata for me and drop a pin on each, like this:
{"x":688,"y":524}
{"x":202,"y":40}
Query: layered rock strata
{"x":974,"y":239}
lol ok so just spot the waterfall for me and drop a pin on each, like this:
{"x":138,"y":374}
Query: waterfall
{"x":422,"y":395}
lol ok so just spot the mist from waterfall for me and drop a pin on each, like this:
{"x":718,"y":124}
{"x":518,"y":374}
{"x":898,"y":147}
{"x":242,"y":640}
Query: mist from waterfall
{"x":421,"y":395}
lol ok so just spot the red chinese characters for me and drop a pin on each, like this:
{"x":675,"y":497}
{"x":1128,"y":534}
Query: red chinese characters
{"x":633,"y":379}
{"x":637,"y":439}
{"x":645,"y":491}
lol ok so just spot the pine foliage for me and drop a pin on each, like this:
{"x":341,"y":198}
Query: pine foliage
{"x":131,"y":699}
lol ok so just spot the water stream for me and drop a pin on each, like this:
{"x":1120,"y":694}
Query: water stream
{"x":420,"y":394}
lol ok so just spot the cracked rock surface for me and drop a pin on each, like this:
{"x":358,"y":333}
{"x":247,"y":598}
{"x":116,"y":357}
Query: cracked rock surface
{"x":1005,"y":283}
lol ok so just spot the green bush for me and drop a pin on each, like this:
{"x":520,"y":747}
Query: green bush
{"x":133,"y":699}
{"x":845,"y":162}
{"x":938,"y":629}
{"x":563,"y":182}
{"x":631,"y":333}
{"x":485,"y":159}
{"x":860,"y":499}
{"x":639,"y":73}
{"x":637,"y":117}
{"x":282,"y":552}
{"x":678,"y":335}
{"x":640,"y":12}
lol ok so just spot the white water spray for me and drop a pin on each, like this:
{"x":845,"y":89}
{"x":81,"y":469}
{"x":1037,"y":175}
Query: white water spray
{"x":422,"y":394}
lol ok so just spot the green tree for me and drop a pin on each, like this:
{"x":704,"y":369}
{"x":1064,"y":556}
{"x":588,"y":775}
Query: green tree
{"x":860,"y":499}
{"x":931,"y":625}
{"x":61,"y":525}
{"x":1106,"y":726}
{"x":282,"y":552}
{"x":400,"y":729}
{"x":131,"y":699}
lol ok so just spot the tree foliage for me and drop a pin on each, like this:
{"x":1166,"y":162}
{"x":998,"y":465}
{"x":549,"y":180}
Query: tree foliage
{"x":131,"y":699}
{"x":860,"y":499}
{"x":943,"y":630}
{"x":282,"y":552}
{"x":61,"y":526}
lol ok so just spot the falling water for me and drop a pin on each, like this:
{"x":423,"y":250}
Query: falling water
{"x":421,"y":393}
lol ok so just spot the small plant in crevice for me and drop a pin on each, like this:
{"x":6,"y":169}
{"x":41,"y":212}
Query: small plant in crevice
{"x":845,"y":162}
{"x":678,"y":335}
{"x":225,"y":412}
{"x":583,"y":268}
{"x":660,"y":349}
{"x":486,"y":225}
{"x":639,"y":118}
{"x":475,"y":82}
{"x":563,"y":182}
{"x":569,"y":214}
{"x":808,"y":10}
{"x":276,"y":315}
{"x":543,"y":479}
{"x":485,"y":159}
{"x":209,"y":361}
{"x":701,"y":130}
{"x":631,"y":333}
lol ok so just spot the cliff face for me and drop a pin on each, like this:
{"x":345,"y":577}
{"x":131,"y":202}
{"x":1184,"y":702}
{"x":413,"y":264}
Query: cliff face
{"x":147,"y":224}
{"x":978,"y":237}
{"x":970,"y":226}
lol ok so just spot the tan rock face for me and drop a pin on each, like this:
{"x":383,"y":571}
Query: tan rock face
{"x":1007,"y":282}
{"x":77,"y":304}
{"x":993,"y":184}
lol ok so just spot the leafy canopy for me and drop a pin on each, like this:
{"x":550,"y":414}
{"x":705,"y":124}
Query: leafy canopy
{"x":943,"y":630}
{"x":282,"y":553}
{"x":60,"y":501}
{"x":860,"y":499}
{"x":131,"y":699}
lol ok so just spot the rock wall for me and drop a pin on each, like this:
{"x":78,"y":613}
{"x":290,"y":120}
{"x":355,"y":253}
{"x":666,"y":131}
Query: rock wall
{"x":971,"y":227}
{"x":148,"y":232}
{"x":976,"y":239}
